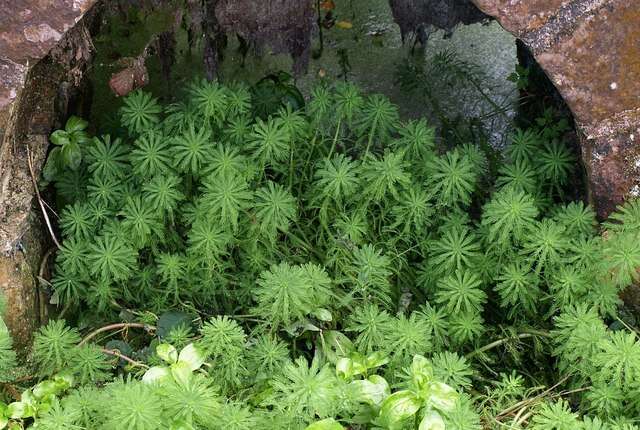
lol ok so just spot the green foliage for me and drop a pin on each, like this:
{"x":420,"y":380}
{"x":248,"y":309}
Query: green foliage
{"x":327,"y":267}
{"x":53,"y":346}
{"x":461,"y":292}
{"x":452,"y":178}
{"x":7,"y":355}
{"x":140,"y":112}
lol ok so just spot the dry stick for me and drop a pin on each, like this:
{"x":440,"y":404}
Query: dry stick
{"x":506,"y":339}
{"x":43,"y":263}
{"x":628,"y":327}
{"x":115,"y":326}
{"x":525,"y":404}
{"x":51,"y":209}
{"x":532,"y":399}
{"x":118,"y":354}
{"x":40,"y":201}
{"x":41,"y":297}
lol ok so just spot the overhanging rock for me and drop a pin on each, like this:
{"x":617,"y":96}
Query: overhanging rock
{"x":44,"y":50}
{"x":590,"y":49}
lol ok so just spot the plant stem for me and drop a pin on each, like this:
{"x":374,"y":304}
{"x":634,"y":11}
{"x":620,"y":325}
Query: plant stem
{"x":335,"y":137}
{"x":109,"y":327}
{"x":373,"y":129}
{"x":291,"y":166}
{"x":530,"y":333}
{"x":118,"y":354}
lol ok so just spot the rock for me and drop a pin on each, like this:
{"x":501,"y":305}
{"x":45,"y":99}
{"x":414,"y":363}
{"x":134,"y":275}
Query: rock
{"x":44,"y":50}
{"x":590,"y":49}
{"x":282,"y":25}
{"x":29,"y":31}
{"x":414,"y":16}
{"x":129,"y":79}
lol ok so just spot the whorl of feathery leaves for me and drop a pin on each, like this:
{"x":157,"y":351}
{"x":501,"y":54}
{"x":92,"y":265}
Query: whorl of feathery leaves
{"x":310,"y":255}
{"x":452,"y":178}
{"x":141,"y":112}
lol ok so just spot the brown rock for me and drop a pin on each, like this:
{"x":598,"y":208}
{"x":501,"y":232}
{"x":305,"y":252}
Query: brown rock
{"x":597,"y":67}
{"x":28,"y":31}
{"x":590,"y":49}
{"x":129,"y":79}
{"x":521,"y":16}
{"x":44,"y":50}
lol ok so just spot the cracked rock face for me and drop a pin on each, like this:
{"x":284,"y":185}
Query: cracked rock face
{"x":29,"y":30}
{"x":44,"y":50}
{"x":590,"y":49}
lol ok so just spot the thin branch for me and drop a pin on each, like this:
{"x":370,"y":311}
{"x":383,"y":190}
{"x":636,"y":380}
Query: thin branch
{"x":43,"y":263}
{"x":530,"y":333}
{"x":42,"y":306}
{"x":628,"y":327}
{"x":118,"y":354}
{"x":530,"y":400}
{"x":120,"y":326}
{"x":40,"y":201}
{"x":51,"y":209}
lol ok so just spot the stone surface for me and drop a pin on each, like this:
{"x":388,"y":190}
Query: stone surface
{"x":590,"y":49}
{"x":521,"y":16}
{"x":415,"y":16}
{"x":45,"y":49}
{"x":29,"y":30}
{"x":597,"y":68}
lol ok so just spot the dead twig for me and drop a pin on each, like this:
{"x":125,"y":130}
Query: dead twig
{"x":42,"y":307}
{"x":40,"y":201}
{"x":118,"y":354}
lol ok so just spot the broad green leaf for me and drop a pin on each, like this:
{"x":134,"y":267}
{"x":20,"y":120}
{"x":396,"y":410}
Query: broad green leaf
{"x":155,"y":374}
{"x":421,"y":372}
{"x":170,"y":320}
{"x":72,"y":155}
{"x":45,"y":404}
{"x":344,"y":368}
{"x":191,"y":355}
{"x":359,"y":363}
{"x":64,"y":381}
{"x":326,"y":424}
{"x":3,"y":421}
{"x":336,"y":345}
{"x":17,"y":410}
{"x":28,"y":398}
{"x":348,"y":367}
{"x":80,"y":137}
{"x":59,"y":137}
{"x":181,"y":372}
{"x":397,"y":408}
{"x":372,"y":390}
{"x":167,"y":353}
{"x":442,"y":396}
{"x":45,"y":388}
{"x":377,"y":359}
{"x":432,"y":421}
{"x":323,"y":314}
{"x":75,"y":123}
